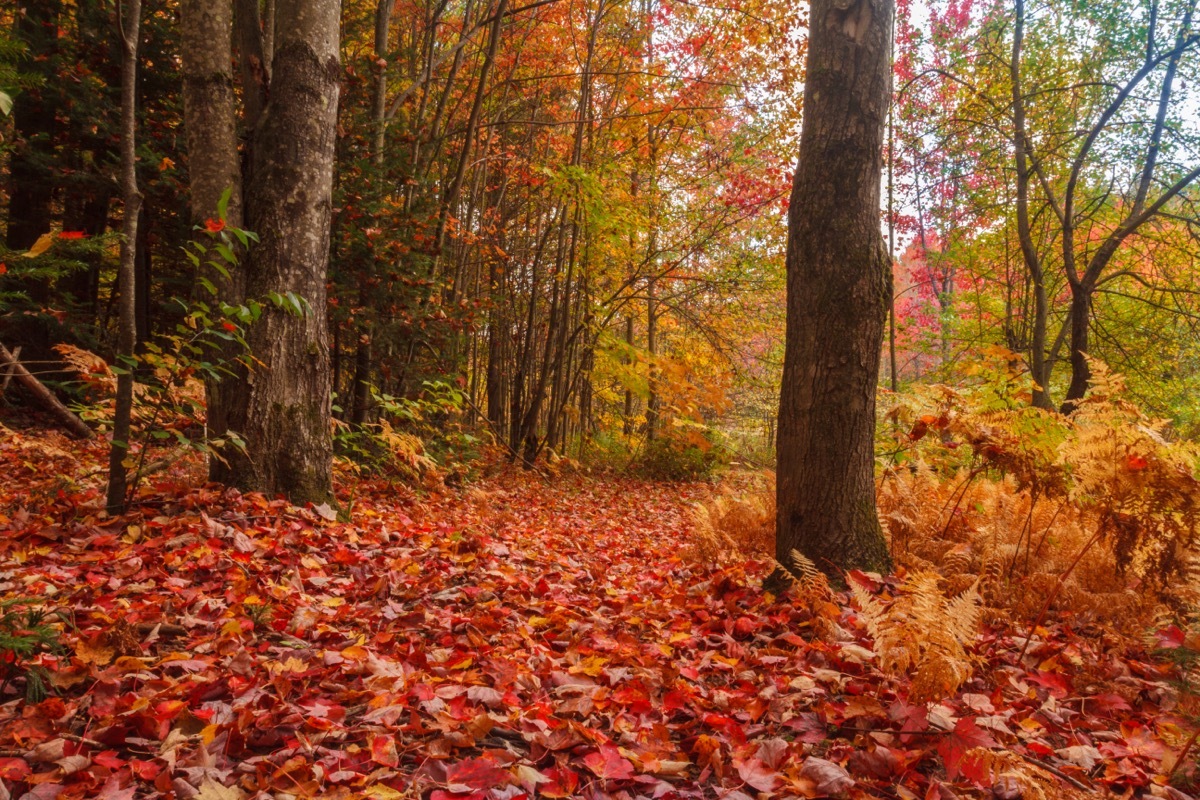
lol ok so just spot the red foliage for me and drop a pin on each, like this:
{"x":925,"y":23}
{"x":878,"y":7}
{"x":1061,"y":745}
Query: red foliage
{"x":521,"y":638}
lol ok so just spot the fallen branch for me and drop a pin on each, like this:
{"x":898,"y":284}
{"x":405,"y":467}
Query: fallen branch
{"x":73,"y":424}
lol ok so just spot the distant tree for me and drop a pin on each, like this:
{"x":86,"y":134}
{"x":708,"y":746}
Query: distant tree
{"x":838,"y":290}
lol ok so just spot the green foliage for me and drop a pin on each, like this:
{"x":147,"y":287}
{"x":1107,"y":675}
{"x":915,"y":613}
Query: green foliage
{"x":673,"y":458}
{"x":410,"y":435}
{"x":27,"y":631}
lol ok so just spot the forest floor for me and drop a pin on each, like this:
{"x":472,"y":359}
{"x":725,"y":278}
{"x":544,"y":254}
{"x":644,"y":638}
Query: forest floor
{"x":522,"y":636}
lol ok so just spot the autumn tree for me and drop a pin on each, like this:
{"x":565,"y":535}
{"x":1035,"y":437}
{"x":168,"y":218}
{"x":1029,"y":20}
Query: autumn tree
{"x":838,"y":290}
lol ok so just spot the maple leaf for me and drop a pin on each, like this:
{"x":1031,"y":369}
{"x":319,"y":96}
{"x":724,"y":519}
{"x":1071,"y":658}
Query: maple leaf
{"x":211,"y":790}
{"x":757,"y":774}
{"x":608,"y":763}
{"x":966,"y":735}
{"x":562,"y":783}
{"x":383,"y":750}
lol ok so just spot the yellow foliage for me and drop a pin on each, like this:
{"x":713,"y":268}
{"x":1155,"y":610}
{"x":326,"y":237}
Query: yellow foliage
{"x":406,"y":450}
{"x":923,"y":632}
{"x":737,"y":523}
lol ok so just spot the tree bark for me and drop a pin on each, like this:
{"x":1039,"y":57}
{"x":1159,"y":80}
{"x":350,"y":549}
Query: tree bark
{"x":283,"y":409}
{"x":838,"y":295}
{"x":130,"y":14}
{"x":214,"y":166}
{"x":1033,"y":264}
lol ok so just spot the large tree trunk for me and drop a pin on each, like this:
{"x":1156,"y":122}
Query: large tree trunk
{"x":283,"y":408}
{"x":838,"y":295}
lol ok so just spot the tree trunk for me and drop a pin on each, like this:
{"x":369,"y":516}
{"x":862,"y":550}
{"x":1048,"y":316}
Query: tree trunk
{"x":1081,"y":371}
{"x":130,"y":14}
{"x":838,"y":295}
{"x":1038,"y":367}
{"x":214,"y":167}
{"x":283,"y":409}
{"x":209,"y":112}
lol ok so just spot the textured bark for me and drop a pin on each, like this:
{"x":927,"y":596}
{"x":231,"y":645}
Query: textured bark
{"x":838,"y":295}
{"x":208,"y":109}
{"x":283,"y":408}
{"x":130,"y":17}
{"x":209,"y":106}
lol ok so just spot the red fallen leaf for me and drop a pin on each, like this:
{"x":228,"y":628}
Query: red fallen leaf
{"x":14,"y":769}
{"x":168,"y":709}
{"x":744,"y":627}
{"x":146,"y":770}
{"x":1108,"y":702}
{"x":1170,"y":637}
{"x":476,"y":773}
{"x":1136,"y":463}
{"x":383,"y":750}
{"x":879,"y":762}
{"x":608,"y":763}
{"x":755,"y":773}
{"x":72,"y":235}
{"x":828,"y":778}
{"x":954,"y":745}
{"x":1040,"y":749}
{"x":1138,"y":742}
{"x":110,"y":759}
{"x":562,"y":783}
{"x":1058,"y":684}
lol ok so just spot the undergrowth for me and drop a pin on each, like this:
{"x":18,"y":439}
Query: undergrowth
{"x":1092,"y":517}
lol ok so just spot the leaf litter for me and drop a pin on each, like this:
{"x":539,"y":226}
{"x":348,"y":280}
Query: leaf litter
{"x":521,"y":638}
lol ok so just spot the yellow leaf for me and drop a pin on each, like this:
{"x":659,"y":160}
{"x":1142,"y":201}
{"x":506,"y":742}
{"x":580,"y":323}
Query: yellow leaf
{"x":96,"y":653}
{"x":591,"y":666}
{"x":211,"y":790}
{"x":40,"y":246}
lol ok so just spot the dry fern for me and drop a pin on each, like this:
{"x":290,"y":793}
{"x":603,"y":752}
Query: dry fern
{"x":738,"y":523}
{"x":1013,"y":776}
{"x":923,"y":632}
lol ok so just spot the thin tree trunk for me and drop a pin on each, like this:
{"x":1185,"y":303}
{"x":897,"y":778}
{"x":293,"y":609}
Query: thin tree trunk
{"x":1033,"y":264}
{"x":130,"y":15}
{"x":838,"y":287}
